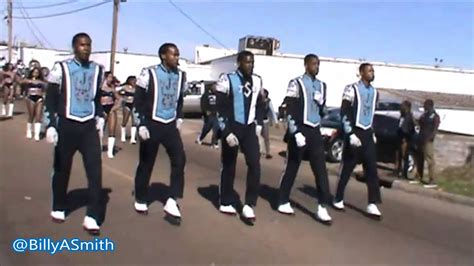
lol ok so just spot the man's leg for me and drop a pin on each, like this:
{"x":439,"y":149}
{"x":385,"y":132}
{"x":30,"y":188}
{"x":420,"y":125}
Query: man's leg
{"x":318,"y":166}
{"x":228,"y":160}
{"x":430,"y":160}
{"x":91,"y":156}
{"x":147,"y":156}
{"x":349,"y":161}
{"x":370,"y":167}
{"x":250,"y":148}
{"x":174,"y":147}
{"x":63,"y":155}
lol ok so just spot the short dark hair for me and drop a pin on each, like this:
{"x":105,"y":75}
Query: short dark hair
{"x":78,"y":36}
{"x":164,"y":48}
{"x":429,"y":102}
{"x":243,"y":54}
{"x":363,"y":66}
{"x":309,"y":57}
{"x":407,"y":104}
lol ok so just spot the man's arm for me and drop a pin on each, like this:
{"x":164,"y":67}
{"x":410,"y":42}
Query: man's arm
{"x":224,"y":103}
{"x":52,"y":95}
{"x":99,"y":110}
{"x":140,"y":97}
{"x":436,"y":126}
{"x":260,"y":104}
{"x":346,"y":110}
{"x":292,"y":107}
{"x":184,"y":88}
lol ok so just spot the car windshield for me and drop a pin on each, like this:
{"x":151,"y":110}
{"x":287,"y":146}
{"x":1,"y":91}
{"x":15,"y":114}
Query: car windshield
{"x":333,"y":114}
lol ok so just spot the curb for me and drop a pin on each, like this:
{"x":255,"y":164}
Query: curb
{"x":441,"y":195}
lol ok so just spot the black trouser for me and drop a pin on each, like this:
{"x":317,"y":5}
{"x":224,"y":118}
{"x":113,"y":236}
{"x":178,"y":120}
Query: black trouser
{"x":314,"y":148}
{"x":351,"y":156}
{"x":248,"y":143}
{"x":82,"y":137}
{"x":169,"y":136}
{"x":210,"y":122}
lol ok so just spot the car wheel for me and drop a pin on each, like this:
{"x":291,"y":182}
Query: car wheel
{"x":335,"y":150}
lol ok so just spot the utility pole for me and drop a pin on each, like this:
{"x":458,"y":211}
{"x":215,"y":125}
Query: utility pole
{"x":10,"y":28}
{"x":114,"y":35}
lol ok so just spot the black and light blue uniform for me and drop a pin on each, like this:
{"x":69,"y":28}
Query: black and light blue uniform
{"x":72,"y":105}
{"x":304,"y":116}
{"x":239,"y":100}
{"x":357,"y":113}
{"x":158,"y":104}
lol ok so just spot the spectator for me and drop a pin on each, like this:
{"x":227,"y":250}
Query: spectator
{"x":269,"y":119}
{"x":208,"y":108}
{"x":406,"y":132}
{"x":429,"y":123}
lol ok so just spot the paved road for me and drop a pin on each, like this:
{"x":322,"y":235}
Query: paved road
{"x":415,"y":229}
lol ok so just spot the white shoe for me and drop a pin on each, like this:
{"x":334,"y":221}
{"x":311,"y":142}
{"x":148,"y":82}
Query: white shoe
{"x":323,"y":214}
{"x":198,"y":141}
{"x":215,"y":146}
{"x":37,"y":131}
{"x":58,"y":216}
{"x":171,"y":208}
{"x":110,"y":147}
{"x":91,"y":226}
{"x":248,"y":212}
{"x":286,"y":208}
{"x":133,"y":135}
{"x":338,"y":205}
{"x":29,"y":130}
{"x":141,"y":208}
{"x":123,"y":134}
{"x":228,"y":209}
{"x":373,"y":210}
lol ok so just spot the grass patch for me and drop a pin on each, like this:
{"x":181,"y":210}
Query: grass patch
{"x":457,"y":180}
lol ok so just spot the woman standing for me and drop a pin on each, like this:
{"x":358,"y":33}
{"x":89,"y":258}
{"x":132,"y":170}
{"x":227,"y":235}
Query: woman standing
{"x":8,"y":86}
{"x":127,"y":92}
{"x":34,"y":86}
{"x":109,"y":101}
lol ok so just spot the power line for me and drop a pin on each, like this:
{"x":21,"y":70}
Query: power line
{"x":49,"y":5}
{"x":197,"y":24}
{"x":67,"y":12}
{"x":25,"y":14}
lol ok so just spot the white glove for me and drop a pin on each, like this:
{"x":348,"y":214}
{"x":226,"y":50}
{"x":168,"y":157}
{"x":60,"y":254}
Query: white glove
{"x":52,"y":135}
{"x":99,"y":124}
{"x":258,"y":130}
{"x":232,"y":140}
{"x":375,"y":138}
{"x":318,"y":97}
{"x":143,"y":133}
{"x":179,"y":122}
{"x":300,"y":140}
{"x":354,"y":140}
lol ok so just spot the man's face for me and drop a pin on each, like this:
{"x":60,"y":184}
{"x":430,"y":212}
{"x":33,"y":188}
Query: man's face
{"x":368,"y":73}
{"x":312,"y":67}
{"x":171,"y":57}
{"x":246,"y":65}
{"x":427,"y":106}
{"x":82,"y":49}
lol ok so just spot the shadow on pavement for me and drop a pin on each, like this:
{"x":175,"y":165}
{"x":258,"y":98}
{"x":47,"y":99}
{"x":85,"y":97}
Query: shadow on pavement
{"x":79,"y":198}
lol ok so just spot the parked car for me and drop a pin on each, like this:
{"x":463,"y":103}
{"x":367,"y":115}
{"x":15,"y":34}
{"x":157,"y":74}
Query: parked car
{"x":385,"y":128}
{"x":192,"y":96}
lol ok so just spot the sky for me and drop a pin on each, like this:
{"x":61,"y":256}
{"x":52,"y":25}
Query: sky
{"x":405,"y":32}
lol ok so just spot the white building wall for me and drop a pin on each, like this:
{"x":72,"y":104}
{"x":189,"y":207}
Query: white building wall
{"x":206,"y":53}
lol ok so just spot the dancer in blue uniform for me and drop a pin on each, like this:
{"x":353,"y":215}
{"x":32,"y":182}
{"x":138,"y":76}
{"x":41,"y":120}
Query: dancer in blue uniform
{"x":306,"y":99}
{"x":74,"y":116}
{"x":239,"y":100}
{"x":159,"y":113}
{"x":357,"y":113}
